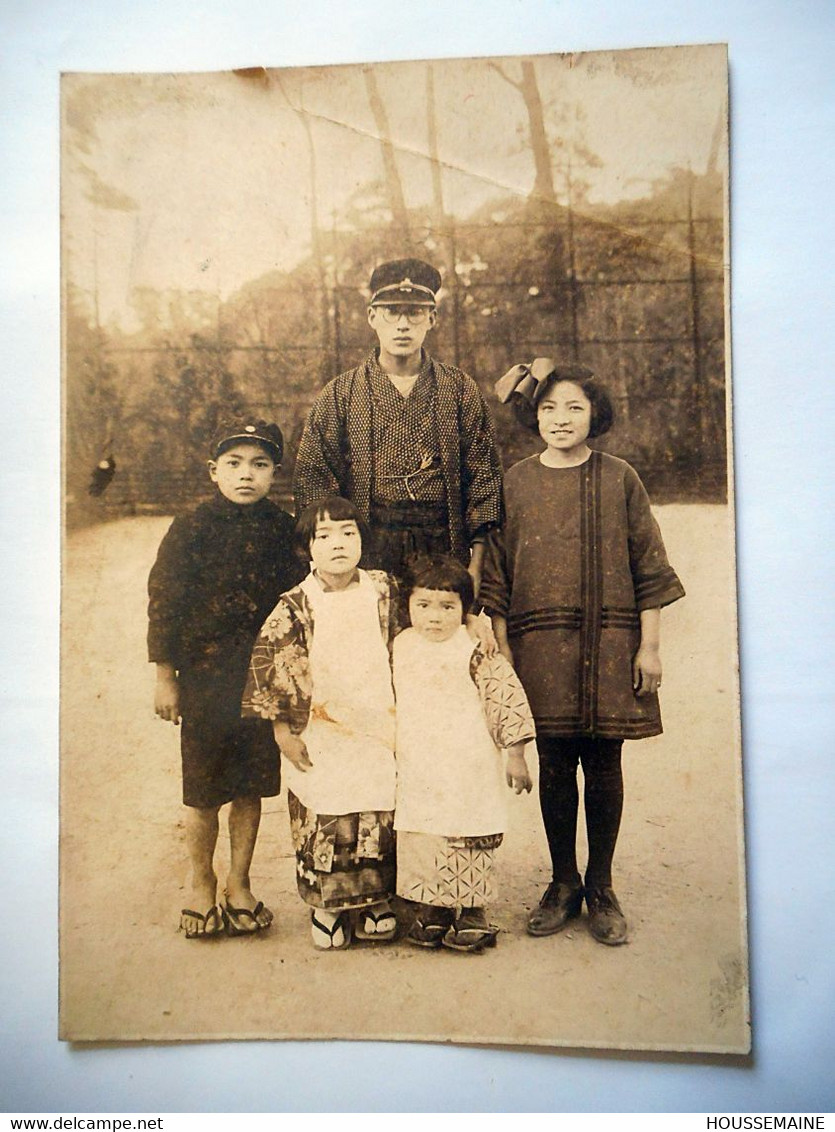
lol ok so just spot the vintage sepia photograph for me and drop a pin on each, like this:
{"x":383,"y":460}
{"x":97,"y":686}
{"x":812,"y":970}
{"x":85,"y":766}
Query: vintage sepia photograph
{"x":399,"y":678}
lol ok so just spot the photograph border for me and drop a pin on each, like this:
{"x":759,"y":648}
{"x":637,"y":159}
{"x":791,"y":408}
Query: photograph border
{"x":781,"y":110}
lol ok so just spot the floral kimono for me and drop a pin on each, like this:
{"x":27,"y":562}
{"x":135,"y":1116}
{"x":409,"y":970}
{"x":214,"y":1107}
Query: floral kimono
{"x":321,"y":665}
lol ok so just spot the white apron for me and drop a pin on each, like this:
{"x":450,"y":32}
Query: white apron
{"x":350,"y":734}
{"x":450,"y":774}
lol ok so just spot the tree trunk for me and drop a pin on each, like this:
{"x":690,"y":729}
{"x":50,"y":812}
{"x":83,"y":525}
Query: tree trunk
{"x":315,"y":230}
{"x":543,"y":186}
{"x":432,"y":134}
{"x":443,"y":224}
{"x":394,"y":186}
{"x":316,"y":241}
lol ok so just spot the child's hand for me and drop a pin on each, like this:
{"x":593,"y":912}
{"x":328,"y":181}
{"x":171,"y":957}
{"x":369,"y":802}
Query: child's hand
{"x":517,"y":775}
{"x":292,"y":746}
{"x":482,"y":633}
{"x":646,"y":670}
{"x":167,"y":694}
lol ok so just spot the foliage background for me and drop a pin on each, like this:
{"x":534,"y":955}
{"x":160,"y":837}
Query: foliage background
{"x":485,"y":167}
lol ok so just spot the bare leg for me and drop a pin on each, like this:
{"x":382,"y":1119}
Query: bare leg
{"x":201,"y":840}
{"x":244,"y":819}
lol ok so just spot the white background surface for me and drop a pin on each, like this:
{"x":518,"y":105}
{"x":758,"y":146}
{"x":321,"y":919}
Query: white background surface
{"x":782,"y":131}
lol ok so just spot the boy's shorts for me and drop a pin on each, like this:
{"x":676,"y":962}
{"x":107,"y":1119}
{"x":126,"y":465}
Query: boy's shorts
{"x":224,"y":757}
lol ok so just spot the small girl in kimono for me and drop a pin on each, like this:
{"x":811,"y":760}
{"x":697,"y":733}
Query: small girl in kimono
{"x":321,"y":672}
{"x":455,"y":708}
{"x":575,"y":584}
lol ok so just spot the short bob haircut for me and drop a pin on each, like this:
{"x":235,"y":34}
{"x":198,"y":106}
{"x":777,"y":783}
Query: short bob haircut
{"x":332,"y":507}
{"x":602,"y":410}
{"x":438,"y":572}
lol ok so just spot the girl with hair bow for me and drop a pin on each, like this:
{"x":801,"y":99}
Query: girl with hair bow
{"x":574,"y":584}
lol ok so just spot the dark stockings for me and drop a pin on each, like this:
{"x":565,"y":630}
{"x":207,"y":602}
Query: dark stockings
{"x":559,"y":800}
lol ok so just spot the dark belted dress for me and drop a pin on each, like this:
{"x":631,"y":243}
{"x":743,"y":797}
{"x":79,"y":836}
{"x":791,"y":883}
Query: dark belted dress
{"x":580,"y":557}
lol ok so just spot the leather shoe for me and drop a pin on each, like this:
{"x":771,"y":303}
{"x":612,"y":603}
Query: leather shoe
{"x":606,"y":920}
{"x":560,"y":904}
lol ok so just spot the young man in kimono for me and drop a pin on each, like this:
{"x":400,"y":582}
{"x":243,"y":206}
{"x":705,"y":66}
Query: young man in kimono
{"x":405,"y":437}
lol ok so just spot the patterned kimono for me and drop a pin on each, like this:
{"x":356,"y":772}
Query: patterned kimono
{"x":321,"y":665}
{"x":454,"y":476}
{"x":580,"y":556}
{"x":455,"y":709}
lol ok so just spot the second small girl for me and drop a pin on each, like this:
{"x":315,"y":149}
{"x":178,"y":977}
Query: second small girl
{"x":455,"y":708}
{"x":321,"y":672}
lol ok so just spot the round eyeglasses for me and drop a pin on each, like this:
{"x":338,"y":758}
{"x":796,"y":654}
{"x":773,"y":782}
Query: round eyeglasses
{"x":413,"y":315}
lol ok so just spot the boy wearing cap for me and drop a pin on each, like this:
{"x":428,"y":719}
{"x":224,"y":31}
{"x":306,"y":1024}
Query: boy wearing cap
{"x":219,"y":571}
{"x":406,"y":438}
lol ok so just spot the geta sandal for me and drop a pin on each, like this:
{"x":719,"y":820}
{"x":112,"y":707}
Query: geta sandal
{"x":243,"y":921}
{"x":211,"y":924}
{"x":470,"y":932}
{"x":369,"y":921}
{"x":429,"y":926}
{"x":327,"y":938}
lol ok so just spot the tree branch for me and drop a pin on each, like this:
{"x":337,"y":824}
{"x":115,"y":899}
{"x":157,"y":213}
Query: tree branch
{"x":495,"y":67}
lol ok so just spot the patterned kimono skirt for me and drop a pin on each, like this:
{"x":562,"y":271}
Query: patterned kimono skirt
{"x":343,"y":860}
{"x":446,"y":871}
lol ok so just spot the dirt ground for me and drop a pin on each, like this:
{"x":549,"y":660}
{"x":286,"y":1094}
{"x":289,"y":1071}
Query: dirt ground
{"x":127,"y":974}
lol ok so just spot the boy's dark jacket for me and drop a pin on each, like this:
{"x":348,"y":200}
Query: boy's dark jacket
{"x":219,"y":571}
